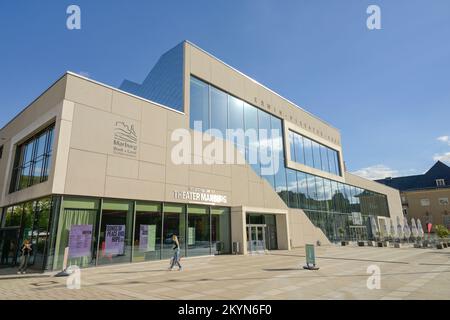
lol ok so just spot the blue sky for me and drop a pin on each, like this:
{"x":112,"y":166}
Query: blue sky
{"x":388,"y":90}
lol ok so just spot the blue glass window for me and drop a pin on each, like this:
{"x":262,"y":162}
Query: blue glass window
{"x":312,"y":192}
{"x":236,"y":113}
{"x":266,"y":147}
{"x":292,"y":187}
{"x":164,"y":83}
{"x":218,"y":110}
{"x":199,"y":103}
{"x":316,"y":155}
{"x":309,"y":158}
{"x":292,"y":146}
{"x":236,"y":122}
{"x":313,"y":154}
{"x":324,"y":159}
{"x":299,"y":149}
{"x":32,"y":160}
{"x":302,"y":190}
{"x":251,"y":138}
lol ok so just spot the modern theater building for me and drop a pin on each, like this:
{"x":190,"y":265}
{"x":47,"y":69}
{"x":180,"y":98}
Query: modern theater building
{"x":100,"y":174}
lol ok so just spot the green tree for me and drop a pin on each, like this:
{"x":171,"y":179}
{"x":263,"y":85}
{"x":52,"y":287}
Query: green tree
{"x":441,"y":231}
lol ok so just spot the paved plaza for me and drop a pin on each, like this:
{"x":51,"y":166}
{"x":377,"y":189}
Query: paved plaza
{"x":406,"y":273}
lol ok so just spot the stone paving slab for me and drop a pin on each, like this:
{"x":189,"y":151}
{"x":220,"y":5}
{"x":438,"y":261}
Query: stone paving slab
{"x":406,"y":273}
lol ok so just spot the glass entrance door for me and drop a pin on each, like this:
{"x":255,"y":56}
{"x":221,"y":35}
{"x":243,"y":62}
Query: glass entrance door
{"x":256,"y":238}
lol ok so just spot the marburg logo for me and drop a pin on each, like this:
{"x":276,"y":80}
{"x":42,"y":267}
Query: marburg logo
{"x":125,"y":139}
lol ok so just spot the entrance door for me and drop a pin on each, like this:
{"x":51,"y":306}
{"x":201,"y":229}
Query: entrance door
{"x":9,"y":241}
{"x":256,"y":238}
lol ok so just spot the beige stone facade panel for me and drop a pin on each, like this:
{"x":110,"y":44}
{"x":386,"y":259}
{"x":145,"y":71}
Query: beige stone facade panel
{"x":133,"y":189}
{"x":88,"y":93}
{"x":126,"y":105}
{"x":86,"y":173}
{"x":152,"y":153}
{"x":152,"y":172}
{"x":122,"y":167}
{"x":154,"y":125}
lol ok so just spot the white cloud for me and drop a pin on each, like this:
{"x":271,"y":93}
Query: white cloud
{"x":445,"y":139}
{"x":84,"y":74}
{"x":378,"y":171}
{"x":445,"y":157}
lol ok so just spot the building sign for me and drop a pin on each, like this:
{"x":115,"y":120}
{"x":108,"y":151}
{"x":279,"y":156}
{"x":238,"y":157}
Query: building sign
{"x":201,"y":196}
{"x":357,"y":218}
{"x":125,"y":139}
{"x":443,"y":201}
{"x":115,"y":239}
{"x":425,"y":202}
{"x":80,"y":240}
{"x":147,"y":237}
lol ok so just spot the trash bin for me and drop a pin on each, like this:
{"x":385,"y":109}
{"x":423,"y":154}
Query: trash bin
{"x":236,"y":247}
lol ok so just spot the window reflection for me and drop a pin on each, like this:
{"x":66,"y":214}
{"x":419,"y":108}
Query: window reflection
{"x":328,"y":202}
{"x":313,"y":154}
{"x":32,"y":160}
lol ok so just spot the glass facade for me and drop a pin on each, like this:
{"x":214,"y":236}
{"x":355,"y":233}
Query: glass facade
{"x":119,"y":231}
{"x":26,"y":221}
{"x":91,"y":231}
{"x":198,"y":231}
{"x":174,"y":223}
{"x":327,"y":202}
{"x":147,"y":231}
{"x":32,"y":160}
{"x":164,"y":83}
{"x":220,"y":230}
{"x":77,"y":214}
{"x":313,"y":154}
{"x":116,"y":230}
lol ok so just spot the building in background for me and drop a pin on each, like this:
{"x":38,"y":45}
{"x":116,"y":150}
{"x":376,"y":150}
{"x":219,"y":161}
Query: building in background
{"x":425,"y":196}
{"x":88,"y":170}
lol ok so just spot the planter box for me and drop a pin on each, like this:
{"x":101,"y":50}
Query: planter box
{"x":361,"y":243}
{"x":396,"y":245}
{"x":439,"y":246}
{"x":380,"y":244}
{"x":417,"y":245}
{"x":343,"y":243}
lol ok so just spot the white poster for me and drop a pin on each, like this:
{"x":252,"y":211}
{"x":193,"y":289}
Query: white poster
{"x":147,"y":237}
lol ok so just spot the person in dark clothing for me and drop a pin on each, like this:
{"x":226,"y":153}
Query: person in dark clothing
{"x":25,"y":251}
{"x":176,"y":255}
